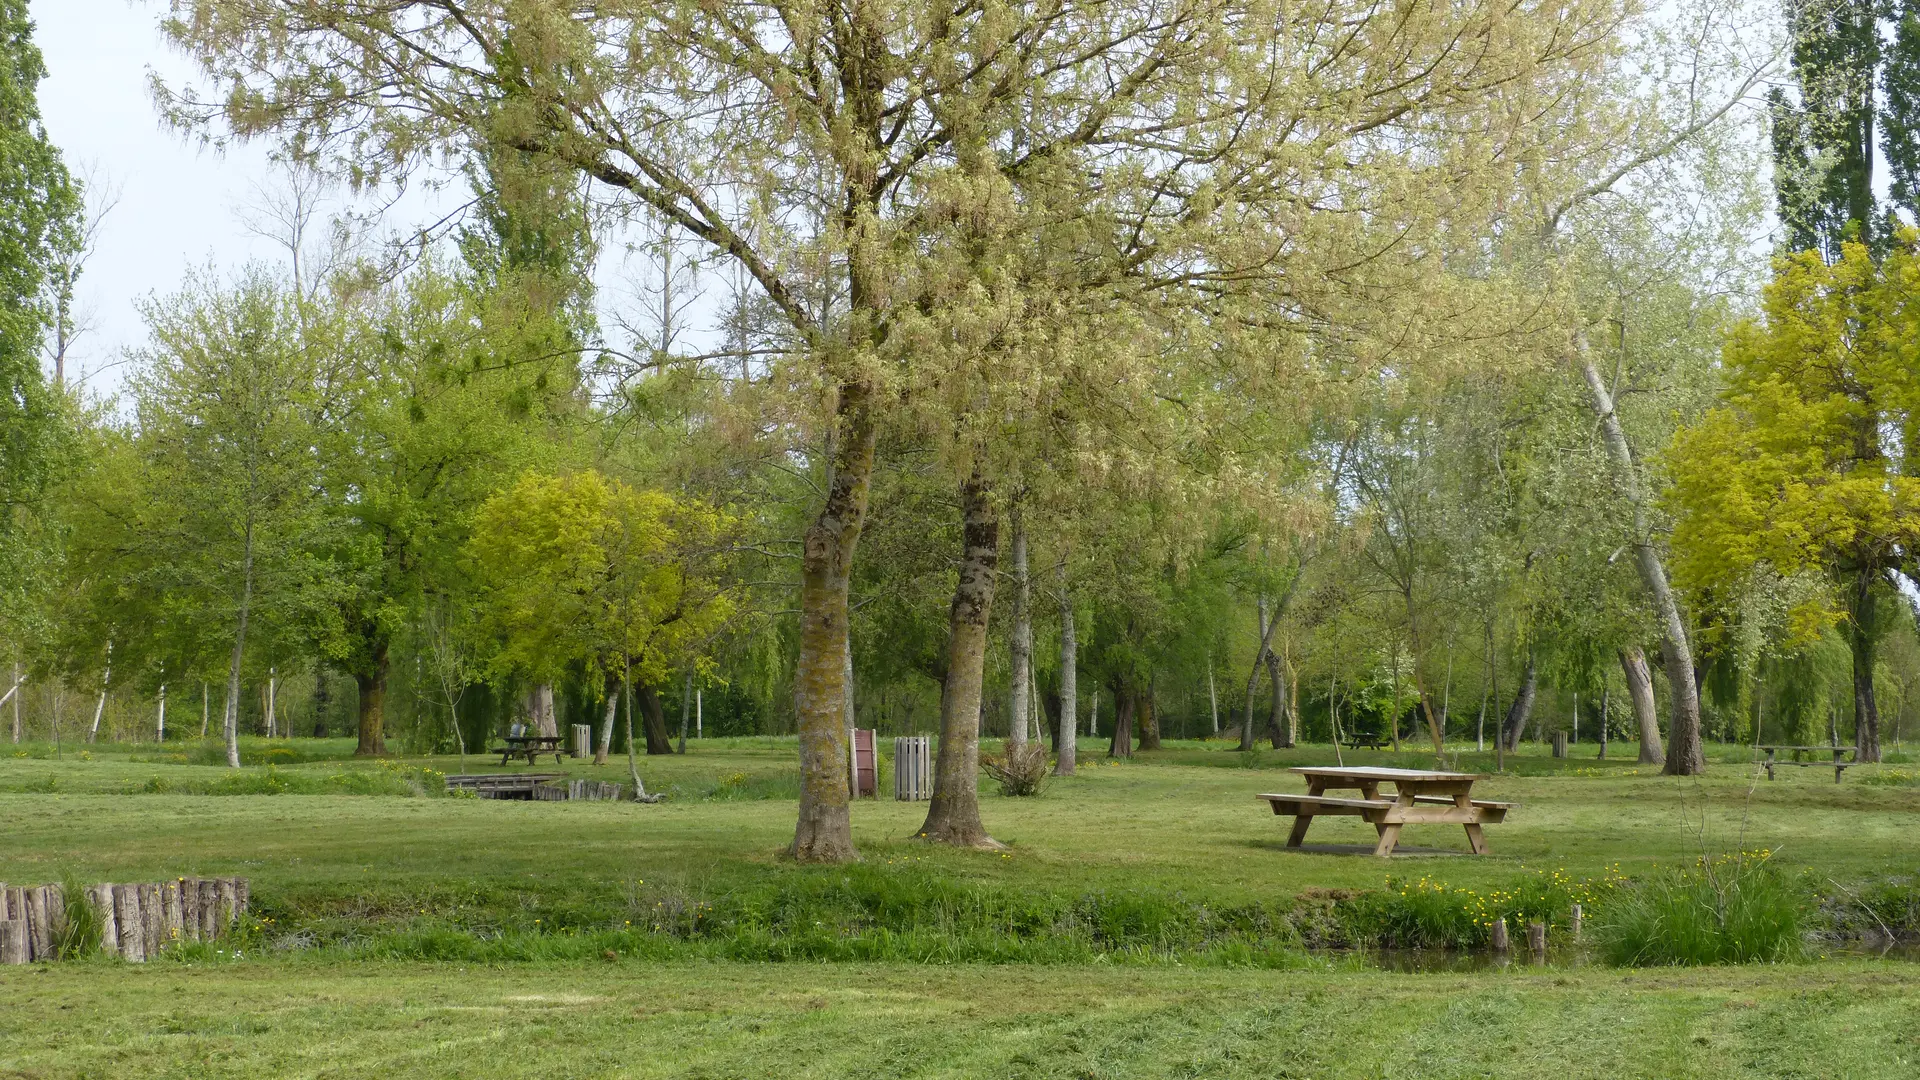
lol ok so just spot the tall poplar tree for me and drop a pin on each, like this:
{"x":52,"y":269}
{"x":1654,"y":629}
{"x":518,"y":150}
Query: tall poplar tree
{"x":39,"y":222}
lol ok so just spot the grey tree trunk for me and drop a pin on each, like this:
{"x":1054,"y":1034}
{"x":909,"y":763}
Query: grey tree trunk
{"x":823,"y":831}
{"x":1633,"y":664}
{"x":540,"y":704}
{"x":606,"y":724}
{"x":106,"y":680}
{"x":686,"y":709}
{"x":1862,"y":632}
{"x":1522,"y":709}
{"x":1265,"y":628}
{"x":1277,"y":712}
{"x":1067,"y":748}
{"x":1020,"y":641}
{"x":230,"y":727}
{"x":1684,"y":753}
{"x":953,"y":817}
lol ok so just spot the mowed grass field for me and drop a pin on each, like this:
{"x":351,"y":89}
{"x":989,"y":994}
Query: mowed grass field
{"x":1183,"y":821}
{"x":756,"y":1021}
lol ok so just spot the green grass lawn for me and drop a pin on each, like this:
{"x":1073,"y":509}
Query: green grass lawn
{"x":1182,"y":823}
{"x":1185,"y":820}
{"x":751,"y":1021}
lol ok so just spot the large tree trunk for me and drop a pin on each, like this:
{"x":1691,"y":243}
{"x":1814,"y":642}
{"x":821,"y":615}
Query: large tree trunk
{"x":1861,"y":634}
{"x":1522,"y":709}
{"x":655,"y":719}
{"x":824,"y":831}
{"x":1066,"y":745}
{"x":1265,"y":627}
{"x":373,"y":703}
{"x":1147,"y":720}
{"x":1125,"y":701}
{"x":1277,"y":712}
{"x":540,"y":707}
{"x":1633,"y":664}
{"x":605,"y":748}
{"x":1020,"y":641}
{"x":953,"y":817}
{"x":1684,"y":754}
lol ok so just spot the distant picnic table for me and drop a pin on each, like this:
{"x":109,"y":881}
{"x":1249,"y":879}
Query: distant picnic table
{"x":1420,"y":798}
{"x":1370,"y":742}
{"x":531,"y":747}
{"x":1839,"y":764}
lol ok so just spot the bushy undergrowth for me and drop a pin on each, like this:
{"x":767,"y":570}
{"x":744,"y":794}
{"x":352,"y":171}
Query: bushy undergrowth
{"x":1732,"y":909}
{"x":1429,"y":914}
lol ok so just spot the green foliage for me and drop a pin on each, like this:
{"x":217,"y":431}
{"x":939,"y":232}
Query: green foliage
{"x":586,"y":570}
{"x":1736,"y":909}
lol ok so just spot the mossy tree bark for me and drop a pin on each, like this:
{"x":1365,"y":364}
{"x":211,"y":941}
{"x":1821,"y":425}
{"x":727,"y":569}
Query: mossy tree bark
{"x":954,"y":815}
{"x":1633,"y":664}
{"x":824,"y":832}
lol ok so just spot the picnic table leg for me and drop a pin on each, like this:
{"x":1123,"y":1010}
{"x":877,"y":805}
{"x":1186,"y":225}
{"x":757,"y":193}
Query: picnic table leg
{"x":1476,"y":837}
{"x":1769,"y":770}
{"x":1389,"y":837}
{"x":1303,"y":822}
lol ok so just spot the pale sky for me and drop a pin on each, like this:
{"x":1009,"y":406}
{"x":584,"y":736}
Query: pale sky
{"x":177,"y":202}
{"x":180,"y":206}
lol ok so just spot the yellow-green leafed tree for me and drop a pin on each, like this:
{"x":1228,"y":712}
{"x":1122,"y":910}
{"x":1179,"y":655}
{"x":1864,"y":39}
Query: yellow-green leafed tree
{"x":584,"y":571}
{"x":1810,"y":465}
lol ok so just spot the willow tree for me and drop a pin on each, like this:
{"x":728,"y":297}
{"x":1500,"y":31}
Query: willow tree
{"x":1218,"y":146}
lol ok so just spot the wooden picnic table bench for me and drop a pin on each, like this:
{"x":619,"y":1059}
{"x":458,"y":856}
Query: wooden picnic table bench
{"x":1369,"y":742}
{"x":1838,"y":765}
{"x":530,"y":747}
{"x":1420,"y":798}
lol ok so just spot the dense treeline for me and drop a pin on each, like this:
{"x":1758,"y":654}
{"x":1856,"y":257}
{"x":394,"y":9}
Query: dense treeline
{"x":1161,"y":371}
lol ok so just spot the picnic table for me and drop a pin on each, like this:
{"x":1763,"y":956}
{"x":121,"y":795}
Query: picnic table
{"x":531,"y":747}
{"x":1370,"y":742}
{"x":1839,"y":764}
{"x":1420,"y":798}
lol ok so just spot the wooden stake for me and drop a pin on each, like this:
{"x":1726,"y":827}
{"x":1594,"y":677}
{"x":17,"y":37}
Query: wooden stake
{"x":1573,"y":922}
{"x":229,"y":904}
{"x":109,"y":922}
{"x":209,"y":909}
{"x":176,"y":919}
{"x":13,"y":941}
{"x":1499,"y":938}
{"x":153,"y":919}
{"x":39,"y":924}
{"x":190,"y":908}
{"x":126,"y":917}
{"x":1537,"y":937}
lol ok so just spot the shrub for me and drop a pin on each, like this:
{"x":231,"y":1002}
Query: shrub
{"x":1428,"y":914}
{"x":1734,"y":909}
{"x":1021,"y":770}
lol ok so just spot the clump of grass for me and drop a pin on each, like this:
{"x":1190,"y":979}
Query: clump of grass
{"x":77,"y":933}
{"x":1734,"y":909}
{"x":1021,"y":771}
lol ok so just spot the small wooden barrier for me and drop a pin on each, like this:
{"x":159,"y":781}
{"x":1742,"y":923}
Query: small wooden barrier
{"x":590,"y":790}
{"x":912,"y":768}
{"x":1559,"y":744}
{"x":501,"y":785}
{"x":582,"y":740}
{"x":137,"y":921}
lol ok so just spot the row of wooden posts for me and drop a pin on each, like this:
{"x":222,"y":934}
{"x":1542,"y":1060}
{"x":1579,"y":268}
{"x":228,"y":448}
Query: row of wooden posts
{"x":1536,"y":933}
{"x":137,"y":921}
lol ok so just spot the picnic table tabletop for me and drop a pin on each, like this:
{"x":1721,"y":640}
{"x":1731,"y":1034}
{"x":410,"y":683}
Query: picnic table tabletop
{"x":1378,"y":773}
